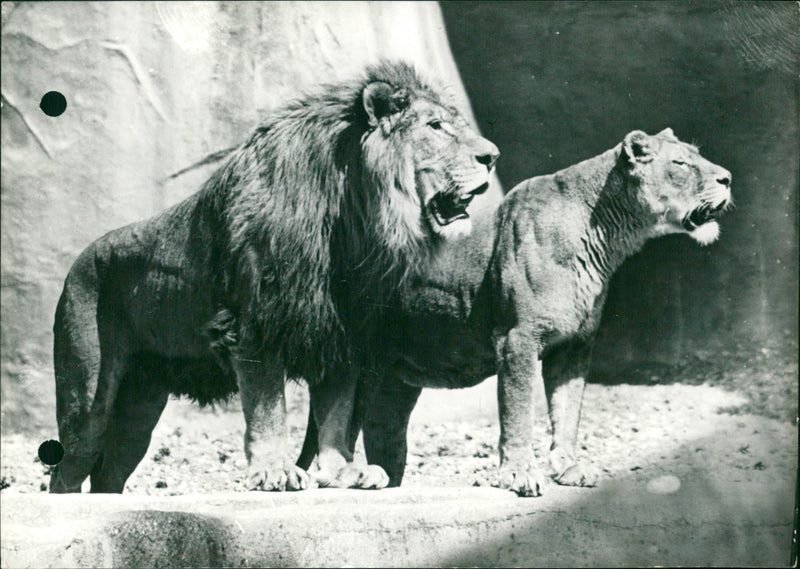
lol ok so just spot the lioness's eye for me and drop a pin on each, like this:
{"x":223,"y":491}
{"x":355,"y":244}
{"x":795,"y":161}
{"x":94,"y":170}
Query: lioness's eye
{"x":679,"y":162}
{"x":435,"y":124}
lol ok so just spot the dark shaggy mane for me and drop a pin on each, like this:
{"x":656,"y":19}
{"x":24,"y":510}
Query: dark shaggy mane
{"x":295,"y":219}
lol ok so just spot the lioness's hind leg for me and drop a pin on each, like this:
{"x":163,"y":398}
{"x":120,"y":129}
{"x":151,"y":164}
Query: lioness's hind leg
{"x":309,"y":450}
{"x":137,"y":410}
{"x":385,"y":427}
{"x":564,"y":373}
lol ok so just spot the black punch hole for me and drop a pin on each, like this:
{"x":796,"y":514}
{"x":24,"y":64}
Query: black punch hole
{"x":53,"y":103}
{"x":51,"y":452}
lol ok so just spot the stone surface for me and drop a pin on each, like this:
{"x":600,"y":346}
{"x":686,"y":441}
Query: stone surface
{"x":617,"y":524}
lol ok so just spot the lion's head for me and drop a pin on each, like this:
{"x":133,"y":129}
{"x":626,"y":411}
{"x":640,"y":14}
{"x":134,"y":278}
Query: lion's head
{"x":338,"y":198}
{"x":421,"y":152}
{"x":687,"y":192}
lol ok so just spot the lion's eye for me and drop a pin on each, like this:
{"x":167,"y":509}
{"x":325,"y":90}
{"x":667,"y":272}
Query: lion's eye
{"x":679,"y":162}
{"x":435,"y":124}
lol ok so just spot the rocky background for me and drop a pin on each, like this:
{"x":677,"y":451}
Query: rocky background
{"x":154,"y":88}
{"x":555,"y":82}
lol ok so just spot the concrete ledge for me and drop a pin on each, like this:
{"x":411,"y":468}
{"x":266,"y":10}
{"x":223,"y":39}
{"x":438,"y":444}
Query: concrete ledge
{"x":618,"y":524}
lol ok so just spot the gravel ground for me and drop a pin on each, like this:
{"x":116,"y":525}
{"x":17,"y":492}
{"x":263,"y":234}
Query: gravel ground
{"x":737,"y":426}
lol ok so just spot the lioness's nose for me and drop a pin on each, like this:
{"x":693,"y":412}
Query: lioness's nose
{"x":724,"y":177}
{"x":489,"y":157}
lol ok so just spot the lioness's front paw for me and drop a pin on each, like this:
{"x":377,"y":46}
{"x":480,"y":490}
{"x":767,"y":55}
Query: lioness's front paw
{"x":566,"y":471}
{"x":577,"y":475}
{"x":372,"y":477}
{"x":277,"y":478}
{"x":352,"y":475}
{"x":526,"y":481}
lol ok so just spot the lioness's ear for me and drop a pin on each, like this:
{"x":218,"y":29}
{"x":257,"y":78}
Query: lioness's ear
{"x":667,"y":133}
{"x":638,"y":147}
{"x":382,"y":100}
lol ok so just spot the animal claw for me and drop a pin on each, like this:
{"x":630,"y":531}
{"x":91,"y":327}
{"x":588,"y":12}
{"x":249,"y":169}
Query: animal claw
{"x":277,"y":479}
{"x":366,"y":477}
{"x":525,"y":482}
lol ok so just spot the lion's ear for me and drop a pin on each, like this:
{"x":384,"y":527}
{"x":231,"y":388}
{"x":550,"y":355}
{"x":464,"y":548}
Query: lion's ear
{"x":382,"y":100}
{"x":638,"y":147}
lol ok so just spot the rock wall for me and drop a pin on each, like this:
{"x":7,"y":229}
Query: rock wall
{"x":151,"y":88}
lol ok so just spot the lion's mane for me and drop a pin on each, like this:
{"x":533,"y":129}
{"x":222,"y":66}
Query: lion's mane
{"x":305,"y":227}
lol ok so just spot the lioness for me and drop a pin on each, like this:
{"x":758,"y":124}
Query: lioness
{"x":523,"y":294}
{"x":336,"y":198}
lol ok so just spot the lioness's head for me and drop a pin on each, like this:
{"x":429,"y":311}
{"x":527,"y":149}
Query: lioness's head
{"x":424,"y":154}
{"x":684,"y":190}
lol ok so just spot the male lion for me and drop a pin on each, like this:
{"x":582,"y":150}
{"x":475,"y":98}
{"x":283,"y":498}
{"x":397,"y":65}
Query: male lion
{"x":274,"y":268}
{"x":522,"y":295}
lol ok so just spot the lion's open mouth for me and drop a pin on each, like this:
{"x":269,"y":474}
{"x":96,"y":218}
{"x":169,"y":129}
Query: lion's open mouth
{"x":447,"y":208}
{"x":703,"y":215}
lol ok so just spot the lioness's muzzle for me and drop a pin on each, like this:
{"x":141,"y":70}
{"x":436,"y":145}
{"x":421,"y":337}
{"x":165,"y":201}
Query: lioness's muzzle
{"x":704,"y":214}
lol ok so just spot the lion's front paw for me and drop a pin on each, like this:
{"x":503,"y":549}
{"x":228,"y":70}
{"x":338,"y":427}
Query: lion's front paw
{"x":277,"y":478}
{"x":566,"y":471}
{"x":525,"y":481}
{"x":352,"y":475}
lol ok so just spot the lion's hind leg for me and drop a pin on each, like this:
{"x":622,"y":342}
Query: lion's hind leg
{"x":83,"y":427}
{"x":73,"y":412}
{"x":139,"y":404}
{"x":90,"y":357}
{"x":564,"y":372}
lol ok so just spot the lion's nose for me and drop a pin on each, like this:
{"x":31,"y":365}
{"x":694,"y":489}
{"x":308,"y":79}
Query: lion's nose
{"x":724,"y":178}
{"x":489,"y":157}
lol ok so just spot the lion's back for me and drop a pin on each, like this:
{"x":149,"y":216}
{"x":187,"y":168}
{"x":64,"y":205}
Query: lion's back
{"x":146,"y":279}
